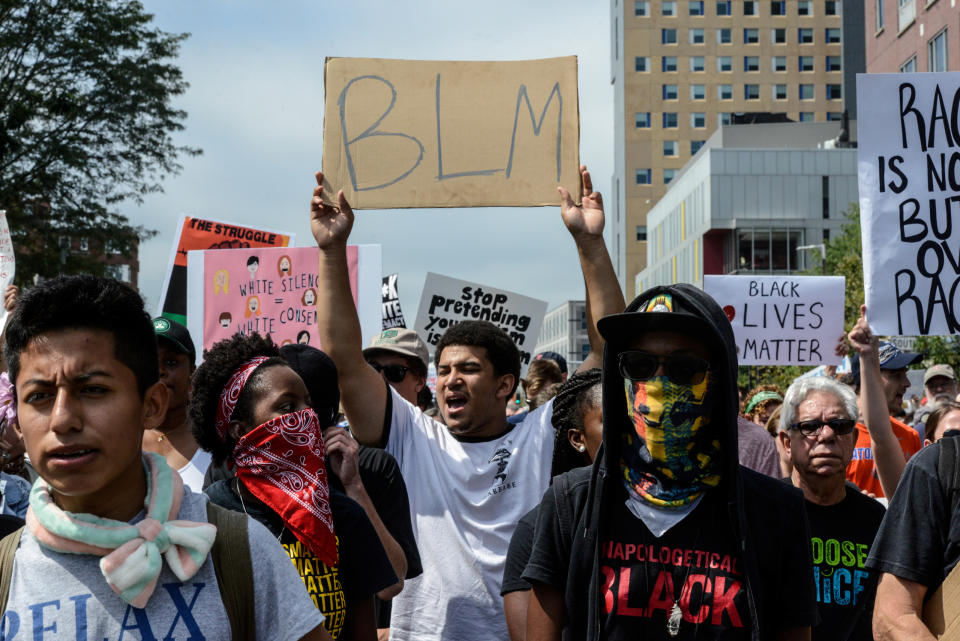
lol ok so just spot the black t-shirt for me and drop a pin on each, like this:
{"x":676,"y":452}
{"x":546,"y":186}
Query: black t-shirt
{"x":694,"y":564}
{"x":518,"y":553}
{"x":840,"y":537}
{"x":919,"y":539}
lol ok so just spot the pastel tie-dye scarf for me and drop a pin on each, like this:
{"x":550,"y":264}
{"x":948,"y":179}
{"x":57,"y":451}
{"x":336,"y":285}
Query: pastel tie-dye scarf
{"x":131,"y":553}
{"x":672,"y":455}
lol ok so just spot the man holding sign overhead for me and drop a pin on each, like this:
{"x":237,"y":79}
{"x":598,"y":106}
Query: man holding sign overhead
{"x":472,"y":477}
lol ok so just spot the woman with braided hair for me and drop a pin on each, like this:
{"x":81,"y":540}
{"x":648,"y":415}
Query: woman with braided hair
{"x":578,"y":425}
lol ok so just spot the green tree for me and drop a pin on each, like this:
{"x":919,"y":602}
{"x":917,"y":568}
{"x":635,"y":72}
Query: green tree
{"x":86,"y":124}
{"x":845,"y":258}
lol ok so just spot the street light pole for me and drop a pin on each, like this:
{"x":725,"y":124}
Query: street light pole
{"x":823,"y":254}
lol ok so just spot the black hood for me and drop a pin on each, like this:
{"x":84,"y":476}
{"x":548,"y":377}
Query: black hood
{"x":696,"y":312}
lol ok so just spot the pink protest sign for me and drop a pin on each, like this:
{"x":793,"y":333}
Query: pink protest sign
{"x":268,"y":291}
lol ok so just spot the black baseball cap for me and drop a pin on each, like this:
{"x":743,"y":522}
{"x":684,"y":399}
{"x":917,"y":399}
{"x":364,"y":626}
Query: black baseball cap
{"x":177,"y":334}
{"x":555,"y":357}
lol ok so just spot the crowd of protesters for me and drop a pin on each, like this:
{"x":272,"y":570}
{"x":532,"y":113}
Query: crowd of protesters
{"x":266,"y":492}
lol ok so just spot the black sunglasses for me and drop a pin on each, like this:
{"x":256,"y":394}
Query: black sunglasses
{"x":642,"y":366}
{"x":840,"y":426}
{"x":393,"y":373}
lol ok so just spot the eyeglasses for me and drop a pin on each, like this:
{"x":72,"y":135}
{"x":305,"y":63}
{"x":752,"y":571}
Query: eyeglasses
{"x":393,"y":373}
{"x":641,"y":366}
{"x":840,"y":426}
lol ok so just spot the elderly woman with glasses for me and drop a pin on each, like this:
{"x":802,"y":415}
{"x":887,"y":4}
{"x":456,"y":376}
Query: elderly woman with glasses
{"x":817,"y":422}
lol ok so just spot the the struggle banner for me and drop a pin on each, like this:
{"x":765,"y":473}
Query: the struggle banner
{"x":909,"y":177}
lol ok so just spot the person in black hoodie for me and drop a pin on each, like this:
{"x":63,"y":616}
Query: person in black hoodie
{"x":666,"y":535}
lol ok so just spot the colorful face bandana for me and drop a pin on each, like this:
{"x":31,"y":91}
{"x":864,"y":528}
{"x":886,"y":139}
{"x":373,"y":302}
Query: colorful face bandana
{"x":671,"y":457}
{"x":281,"y":463}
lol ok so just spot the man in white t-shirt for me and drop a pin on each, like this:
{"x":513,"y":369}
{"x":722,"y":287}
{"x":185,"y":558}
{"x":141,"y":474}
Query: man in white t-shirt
{"x":472,"y":477}
{"x":173,"y":439}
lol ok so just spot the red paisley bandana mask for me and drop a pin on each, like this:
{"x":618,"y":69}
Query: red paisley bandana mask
{"x":281,"y":463}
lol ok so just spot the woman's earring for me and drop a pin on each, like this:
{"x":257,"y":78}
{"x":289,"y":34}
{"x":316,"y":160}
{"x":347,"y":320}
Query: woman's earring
{"x":582,"y":448}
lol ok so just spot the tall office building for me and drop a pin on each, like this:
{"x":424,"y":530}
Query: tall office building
{"x":682,"y":68}
{"x":912,"y":35}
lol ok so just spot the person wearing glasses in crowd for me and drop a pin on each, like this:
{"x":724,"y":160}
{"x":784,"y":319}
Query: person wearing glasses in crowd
{"x":817,"y":423}
{"x":401,"y":357}
{"x":666,"y":535}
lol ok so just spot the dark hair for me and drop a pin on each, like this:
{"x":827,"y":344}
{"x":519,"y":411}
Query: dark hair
{"x":424,"y":397}
{"x":252,"y":260}
{"x":219,"y":364}
{"x":87,"y":302}
{"x":501,"y":351}
{"x":933,"y":420}
{"x":580,"y":393}
{"x":541,"y":376}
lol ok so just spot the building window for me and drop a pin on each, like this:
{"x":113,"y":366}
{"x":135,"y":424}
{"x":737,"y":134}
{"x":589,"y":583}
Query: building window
{"x":779,"y":63}
{"x":698,"y":92}
{"x":779,"y":92}
{"x":724,"y":36}
{"x":833,"y":35}
{"x":879,"y":5}
{"x":805,"y":36}
{"x":641,"y":63}
{"x":751,"y":36}
{"x":63,"y":242}
{"x":749,"y":8}
{"x":642,"y":119}
{"x":805,"y":63}
{"x":696,"y":7}
{"x":84,"y":244}
{"x":724,"y":63}
{"x":778,"y":36}
{"x":670,"y":120}
{"x":834,"y":115}
{"x":725,"y":118}
{"x":768,"y":250}
{"x":751,"y":92}
{"x":834,"y":63}
{"x":751,"y":63}
{"x":641,"y":233}
{"x":725,"y":92}
{"x":805,"y":116}
{"x":696,"y":36}
{"x":697,"y":63}
{"x":669,"y":147}
{"x":937,"y":52}
{"x":668,"y":36}
{"x":669,"y":92}
{"x":724,"y":8}
{"x":695,"y":146}
{"x":698,"y":120}
{"x":668,"y":8}
{"x":668,"y":63}
{"x":910,"y":66}
{"x":834,"y":92}
{"x":831,"y":8}
{"x":668,"y":175}
{"x":806,"y":92}
{"x":804,"y":8}
{"x":641,"y":8}
{"x":778,"y":8}
{"x":906,"y":13}
{"x":644,"y":176}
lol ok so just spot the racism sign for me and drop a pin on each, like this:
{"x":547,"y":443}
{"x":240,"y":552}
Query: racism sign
{"x":909,"y":177}
{"x":792,"y":320}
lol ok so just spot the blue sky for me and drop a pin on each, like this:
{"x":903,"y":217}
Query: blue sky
{"x":255,"y":107}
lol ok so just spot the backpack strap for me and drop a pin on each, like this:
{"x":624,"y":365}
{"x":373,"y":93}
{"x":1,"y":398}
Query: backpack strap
{"x":233,"y":567}
{"x":561,"y":498}
{"x":8,"y":549}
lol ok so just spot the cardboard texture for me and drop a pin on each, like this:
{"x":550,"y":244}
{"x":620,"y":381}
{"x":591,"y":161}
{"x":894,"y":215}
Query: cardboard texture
{"x":406,"y":133}
{"x":941,"y":613}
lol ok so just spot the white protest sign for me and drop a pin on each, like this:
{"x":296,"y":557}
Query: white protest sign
{"x":782,"y":320}
{"x":909,"y":176}
{"x":447,"y":301}
{"x":8,"y":263}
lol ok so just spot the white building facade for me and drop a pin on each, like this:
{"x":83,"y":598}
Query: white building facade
{"x":564,"y":331}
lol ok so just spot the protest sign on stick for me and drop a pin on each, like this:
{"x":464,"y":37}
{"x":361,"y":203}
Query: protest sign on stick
{"x":8,"y":263}
{"x":392,"y":314}
{"x":909,"y":177}
{"x":782,"y":320}
{"x":411,"y":133}
{"x":273,"y":292}
{"x":204,"y":233}
{"x":447,"y":301}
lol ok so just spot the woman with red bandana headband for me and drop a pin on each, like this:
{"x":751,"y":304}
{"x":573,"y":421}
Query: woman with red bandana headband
{"x":252,"y":412}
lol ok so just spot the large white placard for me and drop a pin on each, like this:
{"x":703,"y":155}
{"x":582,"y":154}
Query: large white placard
{"x":909,"y":173}
{"x":447,"y":301}
{"x":782,"y":320}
